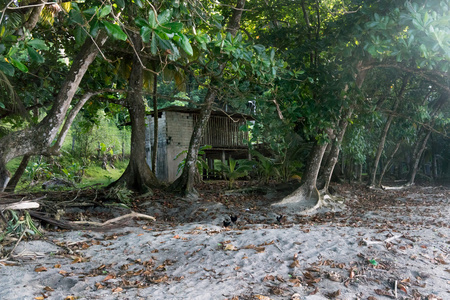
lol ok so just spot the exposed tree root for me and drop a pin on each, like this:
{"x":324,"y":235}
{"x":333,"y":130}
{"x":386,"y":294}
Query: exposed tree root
{"x":299,"y":202}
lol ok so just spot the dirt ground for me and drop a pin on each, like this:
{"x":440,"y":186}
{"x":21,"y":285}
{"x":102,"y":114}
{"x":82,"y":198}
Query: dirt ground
{"x":385,"y":244}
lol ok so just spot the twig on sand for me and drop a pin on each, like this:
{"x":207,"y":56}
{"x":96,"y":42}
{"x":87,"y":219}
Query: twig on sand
{"x":130,"y":215}
{"x":15,"y":246}
{"x":388,"y":240}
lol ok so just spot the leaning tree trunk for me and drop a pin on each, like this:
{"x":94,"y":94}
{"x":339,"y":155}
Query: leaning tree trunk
{"x":155,"y":120}
{"x":137,"y":175}
{"x":385,"y":131}
{"x":389,"y":161}
{"x":185,"y":183}
{"x":307,"y":196}
{"x":18,"y":174}
{"x":35,"y":140}
{"x":417,"y":155}
{"x":421,"y":143}
{"x":333,"y":156}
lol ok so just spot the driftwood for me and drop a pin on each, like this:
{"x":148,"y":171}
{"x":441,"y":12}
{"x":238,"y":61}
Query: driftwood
{"x":388,"y":240}
{"x":82,"y":224}
{"x":16,"y":204}
{"x":109,"y":222}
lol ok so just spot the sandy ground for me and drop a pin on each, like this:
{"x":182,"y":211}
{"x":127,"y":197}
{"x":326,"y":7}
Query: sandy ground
{"x":385,"y":244}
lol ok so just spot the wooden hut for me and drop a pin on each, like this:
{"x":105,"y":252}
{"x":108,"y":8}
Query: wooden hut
{"x":175,"y":127}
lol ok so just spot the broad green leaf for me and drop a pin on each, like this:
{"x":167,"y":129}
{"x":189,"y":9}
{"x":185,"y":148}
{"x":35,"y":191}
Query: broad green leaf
{"x":139,"y":3}
{"x":80,"y":35}
{"x":115,"y":31}
{"x":154,"y":45}
{"x":2,"y":48}
{"x":145,"y":33}
{"x":37,"y":44}
{"x":106,"y":10}
{"x":152,"y":19}
{"x":2,"y":105}
{"x":185,"y":45}
{"x":75,"y":17}
{"x":34,"y":55}
{"x":259,"y":48}
{"x":95,"y":26}
{"x":164,"y":17}
{"x":6,"y":68}
{"x":174,"y":27}
{"x":90,"y":11}
{"x":141,"y":22}
{"x":120,"y":3}
{"x":19,"y":65}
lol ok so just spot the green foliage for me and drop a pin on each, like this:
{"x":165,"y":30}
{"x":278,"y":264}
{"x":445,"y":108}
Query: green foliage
{"x":201,"y":163}
{"x":19,"y":225}
{"x":122,"y":194}
{"x":235,"y":169}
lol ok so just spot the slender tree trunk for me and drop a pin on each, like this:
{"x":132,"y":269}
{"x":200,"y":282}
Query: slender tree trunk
{"x":36,"y":139}
{"x":137,"y":175}
{"x":389,"y":162}
{"x":155,"y":120}
{"x":334,"y":152}
{"x":420,"y":146}
{"x":18,"y":174}
{"x":185,"y":183}
{"x":385,"y":131}
{"x":421,"y":143}
{"x":303,"y":196}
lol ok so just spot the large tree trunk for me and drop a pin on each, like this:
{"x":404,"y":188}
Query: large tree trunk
{"x":137,"y":175}
{"x":35,"y":140}
{"x":185,"y":183}
{"x":385,"y":131}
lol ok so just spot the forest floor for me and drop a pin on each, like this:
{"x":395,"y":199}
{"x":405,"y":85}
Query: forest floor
{"x":385,"y":244}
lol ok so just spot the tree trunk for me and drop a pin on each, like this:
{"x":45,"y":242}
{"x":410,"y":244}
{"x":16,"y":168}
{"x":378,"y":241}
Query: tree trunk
{"x":421,"y":143}
{"x":155,"y":120}
{"x":185,"y":183}
{"x":389,"y":161}
{"x":307,"y":195}
{"x":137,"y":175}
{"x":18,"y":174}
{"x":385,"y":131}
{"x":35,"y":140}
{"x":417,"y":155}
{"x":334,"y":152}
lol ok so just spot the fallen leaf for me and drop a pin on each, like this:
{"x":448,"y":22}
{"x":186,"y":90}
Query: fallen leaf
{"x":39,"y":298}
{"x":108,"y":277}
{"x":40,"y":269}
{"x":48,"y":289}
{"x":70,"y":298}
{"x":230,"y":247}
{"x":402,"y":287}
{"x":117,"y":289}
{"x":261,"y":297}
{"x":99,"y":286}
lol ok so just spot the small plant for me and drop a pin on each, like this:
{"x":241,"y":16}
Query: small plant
{"x":201,"y":163}
{"x":235,"y":169}
{"x":19,"y":225}
{"x":122,"y":194}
